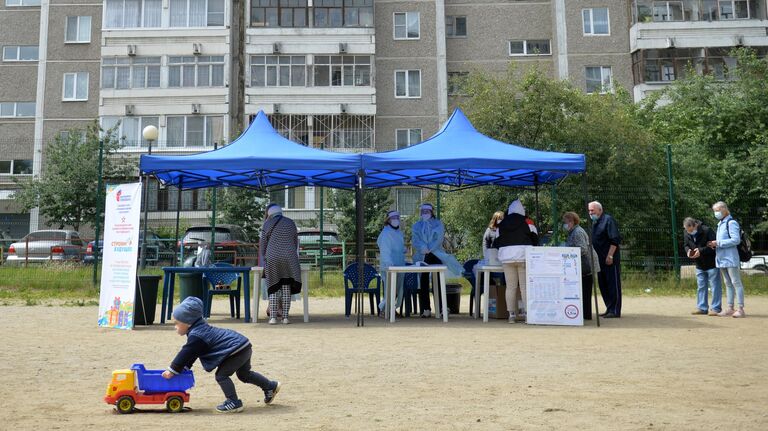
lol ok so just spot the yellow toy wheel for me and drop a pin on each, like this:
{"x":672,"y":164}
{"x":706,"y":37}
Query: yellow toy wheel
{"x":125,"y":404}
{"x":174,"y":404}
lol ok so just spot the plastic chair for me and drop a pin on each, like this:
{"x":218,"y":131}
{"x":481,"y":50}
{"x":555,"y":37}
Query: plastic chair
{"x":410,"y":294}
{"x":350,"y":286}
{"x":469,"y":275}
{"x":223,"y":279}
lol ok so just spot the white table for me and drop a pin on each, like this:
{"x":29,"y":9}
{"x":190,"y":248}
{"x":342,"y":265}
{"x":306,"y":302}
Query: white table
{"x":486,"y":271}
{"x":259,"y":270}
{"x":436,"y":270}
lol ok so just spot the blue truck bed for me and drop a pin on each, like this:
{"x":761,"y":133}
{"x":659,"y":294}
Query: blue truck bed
{"x":152,"y":381}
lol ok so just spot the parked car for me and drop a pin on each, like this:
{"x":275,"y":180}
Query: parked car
{"x":231,"y":245}
{"x":158,"y":250}
{"x":53,"y":245}
{"x":309,"y":248}
{"x":758,"y":264}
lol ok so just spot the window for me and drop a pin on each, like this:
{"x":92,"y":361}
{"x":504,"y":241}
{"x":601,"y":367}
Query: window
{"x":22,"y":2}
{"x":408,"y":201}
{"x":408,"y":83}
{"x":132,"y":13}
{"x":78,"y":29}
{"x":529,"y":47}
{"x":197,"y":13}
{"x":456,"y":83}
{"x":279,"y":13}
{"x":596,"y":21}
{"x":456,"y":26}
{"x":278,"y":71}
{"x":667,"y":11}
{"x":358,"y":13}
{"x":196,"y":71}
{"x":75,"y":87}
{"x":17,"y":109}
{"x":130,"y":72}
{"x":129,"y":131}
{"x":194,"y":131}
{"x":734,"y":9}
{"x":342,"y":71}
{"x":407,"y":137}
{"x":76,"y":135}
{"x":599,"y":79}
{"x":20,"y":53}
{"x":16,"y":167}
{"x":406,"y":25}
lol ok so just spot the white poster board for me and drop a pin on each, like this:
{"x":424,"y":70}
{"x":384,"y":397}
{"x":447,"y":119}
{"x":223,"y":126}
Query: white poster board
{"x":122,"y":213}
{"x":554,"y":286}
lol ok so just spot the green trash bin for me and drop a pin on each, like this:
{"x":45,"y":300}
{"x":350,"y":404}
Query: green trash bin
{"x":191,"y":284}
{"x":145,"y":302}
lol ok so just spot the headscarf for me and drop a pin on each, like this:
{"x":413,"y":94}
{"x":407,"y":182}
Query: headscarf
{"x":516,"y":207}
{"x":274,"y":209}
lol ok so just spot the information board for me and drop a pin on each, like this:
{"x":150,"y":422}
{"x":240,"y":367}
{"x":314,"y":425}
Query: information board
{"x":554,"y":286}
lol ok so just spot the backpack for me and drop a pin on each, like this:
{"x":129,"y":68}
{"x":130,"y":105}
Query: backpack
{"x":745,"y":245}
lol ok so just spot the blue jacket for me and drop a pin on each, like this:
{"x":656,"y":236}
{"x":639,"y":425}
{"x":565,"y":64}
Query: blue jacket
{"x":210,"y":344}
{"x":728,"y":237}
{"x":605,"y":233}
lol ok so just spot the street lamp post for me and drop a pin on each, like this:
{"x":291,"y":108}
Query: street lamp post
{"x":150,"y":134}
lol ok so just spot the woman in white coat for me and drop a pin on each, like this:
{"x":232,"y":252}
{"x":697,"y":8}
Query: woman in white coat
{"x":391,"y":244}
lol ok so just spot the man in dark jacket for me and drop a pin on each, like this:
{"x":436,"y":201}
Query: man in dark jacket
{"x":606,"y":240}
{"x":697,"y":235}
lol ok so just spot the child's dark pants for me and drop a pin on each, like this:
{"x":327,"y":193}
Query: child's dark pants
{"x":240,"y":364}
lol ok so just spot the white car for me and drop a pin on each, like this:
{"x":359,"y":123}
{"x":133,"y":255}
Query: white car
{"x":758,"y":263}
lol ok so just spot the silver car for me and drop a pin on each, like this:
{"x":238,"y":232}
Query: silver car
{"x":41,"y":246}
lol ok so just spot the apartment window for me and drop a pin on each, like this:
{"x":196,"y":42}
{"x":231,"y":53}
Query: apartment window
{"x":407,"y":137}
{"x":196,"y":71}
{"x":734,"y":9}
{"x":456,"y":26}
{"x":130,"y":128}
{"x":130,"y":72}
{"x":16,"y":167}
{"x":278,"y":71}
{"x":20,"y":53}
{"x":17,"y":109}
{"x":406,"y":25}
{"x":194,"y":131}
{"x":75,"y":87}
{"x":596,"y":21}
{"x":599,"y":79}
{"x":22,"y":2}
{"x":197,"y":13}
{"x":342,"y":71}
{"x":358,"y":13}
{"x":667,"y":11}
{"x":408,"y":201}
{"x":529,"y":47}
{"x":77,"y":135}
{"x":279,"y":13}
{"x":133,"y":13}
{"x":456,"y":83}
{"x":78,"y":29}
{"x":407,"y":83}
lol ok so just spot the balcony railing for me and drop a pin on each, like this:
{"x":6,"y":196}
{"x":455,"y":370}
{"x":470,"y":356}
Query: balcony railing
{"x":647,"y":11}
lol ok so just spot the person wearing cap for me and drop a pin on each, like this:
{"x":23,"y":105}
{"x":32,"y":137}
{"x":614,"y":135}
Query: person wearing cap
{"x":516,"y":234}
{"x":279,"y":255}
{"x":225,"y":350}
{"x":427,"y":237}
{"x":391,"y":244}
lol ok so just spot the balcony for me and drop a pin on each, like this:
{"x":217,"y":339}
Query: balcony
{"x":651,"y":11}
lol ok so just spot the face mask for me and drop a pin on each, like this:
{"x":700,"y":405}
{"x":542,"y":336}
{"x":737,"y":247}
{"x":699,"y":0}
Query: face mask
{"x":694,"y":232}
{"x":498,"y":222}
{"x":426,"y":217}
{"x":394,"y":223}
{"x":594,"y":217}
{"x":566,"y":226}
{"x":718,"y":215}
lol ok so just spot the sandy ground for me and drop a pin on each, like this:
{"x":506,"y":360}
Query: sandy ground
{"x":656,"y":368}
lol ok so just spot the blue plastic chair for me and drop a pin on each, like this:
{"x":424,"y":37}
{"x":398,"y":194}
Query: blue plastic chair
{"x":469,"y":275}
{"x":350,"y":286}
{"x":410,"y":294}
{"x":223,"y":279}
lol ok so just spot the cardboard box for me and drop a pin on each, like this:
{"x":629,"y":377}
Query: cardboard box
{"x":497,"y":304}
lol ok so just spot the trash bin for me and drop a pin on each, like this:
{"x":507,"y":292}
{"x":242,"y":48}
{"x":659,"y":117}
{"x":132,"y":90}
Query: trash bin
{"x":145,"y":302}
{"x":453,"y":294}
{"x":191,"y":284}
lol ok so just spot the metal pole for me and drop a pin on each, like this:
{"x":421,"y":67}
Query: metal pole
{"x":537,"y":222}
{"x":672,"y":211}
{"x":438,"y":201}
{"x":322,"y":215}
{"x":591,"y":254}
{"x":97,"y":224}
{"x":146,"y":213}
{"x":178,"y":255}
{"x":212,"y":245}
{"x":360,"y":246}
{"x":555,"y":218}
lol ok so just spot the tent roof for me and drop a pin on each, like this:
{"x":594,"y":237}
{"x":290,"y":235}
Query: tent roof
{"x":260,"y":157}
{"x":459,"y":155}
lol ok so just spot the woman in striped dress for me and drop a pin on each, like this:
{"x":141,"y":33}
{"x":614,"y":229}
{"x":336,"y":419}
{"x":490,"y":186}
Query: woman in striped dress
{"x":279,"y":255}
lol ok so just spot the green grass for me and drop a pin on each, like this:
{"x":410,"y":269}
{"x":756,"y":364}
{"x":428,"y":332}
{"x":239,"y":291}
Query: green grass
{"x":72,"y":285}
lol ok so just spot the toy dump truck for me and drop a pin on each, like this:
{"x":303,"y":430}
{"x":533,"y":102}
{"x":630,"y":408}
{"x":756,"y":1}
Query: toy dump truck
{"x":141,"y":386}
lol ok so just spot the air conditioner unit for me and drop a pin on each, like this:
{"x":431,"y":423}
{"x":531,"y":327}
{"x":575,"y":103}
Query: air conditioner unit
{"x":275,"y":48}
{"x":130,"y":110}
{"x":275,"y":108}
{"x":343,"y":108}
{"x":740,"y":40}
{"x":131,"y":50}
{"x":197,"y":48}
{"x":342,"y":48}
{"x":670,"y":42}
{"x":195,"y":108}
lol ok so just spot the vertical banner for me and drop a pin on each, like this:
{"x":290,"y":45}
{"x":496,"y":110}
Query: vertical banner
{"x":554,"y":286}
{"x":122,"y":213}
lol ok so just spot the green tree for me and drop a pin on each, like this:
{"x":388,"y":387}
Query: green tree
{"x":242,"y":207}
{"x":376,"y":203}
{"x":66,"y":192}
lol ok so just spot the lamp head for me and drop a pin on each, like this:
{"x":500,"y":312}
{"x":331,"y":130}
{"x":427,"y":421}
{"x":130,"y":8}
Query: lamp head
{"x":150,"y":133}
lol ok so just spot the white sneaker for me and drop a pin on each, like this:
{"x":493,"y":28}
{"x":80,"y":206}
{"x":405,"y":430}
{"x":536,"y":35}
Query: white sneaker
{"x":286,"y":321}
{"x":512,"y":318}
{"x":273,"y":321}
